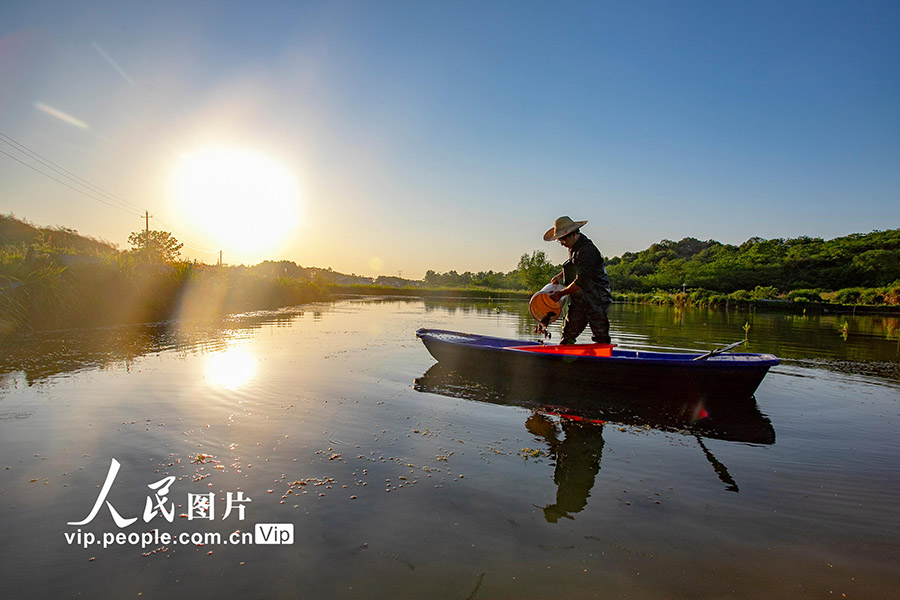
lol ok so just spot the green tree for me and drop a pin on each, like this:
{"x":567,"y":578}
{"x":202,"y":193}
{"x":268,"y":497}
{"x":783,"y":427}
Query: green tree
{"x":874,"y":267}
{"x":155,"y":246}
{"x":535,"y":271}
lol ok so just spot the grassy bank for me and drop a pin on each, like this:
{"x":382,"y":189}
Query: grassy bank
{"x":54,"y":277}
{"x":45,"y":292}
{"x":41,"y":293}
{"x":850,"y":299}
{"x":883,"y":299}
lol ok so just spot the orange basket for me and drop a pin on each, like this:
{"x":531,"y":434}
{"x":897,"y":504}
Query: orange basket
{"x":543,"y":309}
{"x":570,"y":349}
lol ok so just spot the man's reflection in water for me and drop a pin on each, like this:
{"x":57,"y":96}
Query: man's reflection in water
{"x":577,"y":457}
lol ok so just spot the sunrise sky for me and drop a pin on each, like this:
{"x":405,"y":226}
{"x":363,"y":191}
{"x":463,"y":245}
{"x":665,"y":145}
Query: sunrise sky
{"x":394,"y":137}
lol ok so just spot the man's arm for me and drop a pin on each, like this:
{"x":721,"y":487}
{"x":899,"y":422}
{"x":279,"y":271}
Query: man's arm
{"x":569,"y":289}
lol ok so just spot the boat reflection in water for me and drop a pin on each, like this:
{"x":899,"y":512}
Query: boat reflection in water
{"x":571,"y":425}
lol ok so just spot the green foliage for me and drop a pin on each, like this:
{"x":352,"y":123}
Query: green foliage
{"x":532,"y":273}
{"x":53,"y":277}
{"x":804,"y":295}
{"x":155,"y":246}
{"x":21,"y":235}
{"x":860,"y":260}
{"x":704,"y":298}
{"x":892,"y":294}
{"x":536,"y":271}
{"x":764,"y":293}
{"x":478,"y":281}
{"x":127,"y":290}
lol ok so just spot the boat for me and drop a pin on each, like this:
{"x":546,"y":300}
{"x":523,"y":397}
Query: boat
{"x":711,"y":377}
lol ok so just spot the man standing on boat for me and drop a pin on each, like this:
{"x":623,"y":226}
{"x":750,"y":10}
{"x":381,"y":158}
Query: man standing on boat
{"x":586,"y":281}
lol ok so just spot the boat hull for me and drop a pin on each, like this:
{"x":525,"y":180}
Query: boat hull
{"x":731,"y":376}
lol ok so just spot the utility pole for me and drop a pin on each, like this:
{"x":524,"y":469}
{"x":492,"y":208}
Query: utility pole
{"x":147,"y":234}
{"x":220,"y":258}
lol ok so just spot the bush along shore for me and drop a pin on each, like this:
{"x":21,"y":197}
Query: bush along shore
{"x":53,"y":278}
{"x":430,"y":292}
{"x":883,"y":299}
{"x":76,"y":291}
{"x":41,"y":293}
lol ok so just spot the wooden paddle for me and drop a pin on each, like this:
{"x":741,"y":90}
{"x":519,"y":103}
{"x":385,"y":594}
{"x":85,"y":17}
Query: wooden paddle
{"x":720,"y":350}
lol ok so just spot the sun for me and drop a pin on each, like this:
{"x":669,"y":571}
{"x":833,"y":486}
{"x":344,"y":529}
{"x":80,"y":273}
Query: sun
{"x":241,"y":200}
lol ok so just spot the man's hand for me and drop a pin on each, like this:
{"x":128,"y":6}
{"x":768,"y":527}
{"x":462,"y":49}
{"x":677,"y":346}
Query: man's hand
{"x":569,"y":289}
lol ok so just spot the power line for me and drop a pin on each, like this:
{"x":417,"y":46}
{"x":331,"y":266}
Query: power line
{"x":107,"y":198}
{"x":66,"y":184}
{"x":18,"y":146}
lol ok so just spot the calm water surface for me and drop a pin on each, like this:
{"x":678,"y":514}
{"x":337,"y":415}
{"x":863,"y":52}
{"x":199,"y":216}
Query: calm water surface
{"x":405,"y":481}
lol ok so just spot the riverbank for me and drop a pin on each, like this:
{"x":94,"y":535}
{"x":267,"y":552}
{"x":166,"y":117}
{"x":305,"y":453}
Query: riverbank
{"x":849,"y":301}
{"x":436,"y":292}
{"x":118,"y":291}
{"x":121,"y":290}
{"x":797,"y":302}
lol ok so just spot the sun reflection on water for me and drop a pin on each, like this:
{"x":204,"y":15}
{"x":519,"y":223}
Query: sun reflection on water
{"x":231,"y":369}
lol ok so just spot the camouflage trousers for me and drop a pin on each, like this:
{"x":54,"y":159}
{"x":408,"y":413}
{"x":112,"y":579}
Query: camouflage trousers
{"x":579,"y":316}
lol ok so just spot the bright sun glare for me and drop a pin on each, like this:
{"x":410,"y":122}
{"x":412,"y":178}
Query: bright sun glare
{"x":230,"y":369}
{"x":243,"y":201}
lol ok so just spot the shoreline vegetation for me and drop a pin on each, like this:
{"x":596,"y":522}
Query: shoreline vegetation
{"x":740,"y":300}
{"x":55,"y":278}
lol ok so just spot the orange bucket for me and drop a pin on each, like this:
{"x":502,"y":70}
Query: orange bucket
{"x":542,"y":308}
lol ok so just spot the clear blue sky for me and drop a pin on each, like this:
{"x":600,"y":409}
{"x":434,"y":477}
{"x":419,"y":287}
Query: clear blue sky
{"x":450,"y":135}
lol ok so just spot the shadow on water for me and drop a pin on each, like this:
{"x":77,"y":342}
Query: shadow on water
{"x":572,"y":424}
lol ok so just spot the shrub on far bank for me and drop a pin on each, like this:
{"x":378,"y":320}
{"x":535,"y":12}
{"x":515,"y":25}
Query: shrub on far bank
{"x":703,"y":298}
{"x":764,"y":292}
{"x":40,"y":295}
{"x":804,"y":295}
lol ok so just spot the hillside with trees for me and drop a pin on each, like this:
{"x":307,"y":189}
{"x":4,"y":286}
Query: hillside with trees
{"x":857,"y":260}
{"x":55,"y":277}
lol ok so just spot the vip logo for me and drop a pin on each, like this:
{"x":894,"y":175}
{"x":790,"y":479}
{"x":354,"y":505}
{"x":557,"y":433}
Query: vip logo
{"x":274,"y":533}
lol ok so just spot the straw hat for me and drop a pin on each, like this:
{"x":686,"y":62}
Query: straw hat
{"x":562,"y":226}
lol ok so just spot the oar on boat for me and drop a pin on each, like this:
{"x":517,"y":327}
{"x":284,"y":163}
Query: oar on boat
{"x":720,"y":350}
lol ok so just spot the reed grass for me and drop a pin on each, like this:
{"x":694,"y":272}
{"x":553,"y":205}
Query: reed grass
{"x":41,"y":295}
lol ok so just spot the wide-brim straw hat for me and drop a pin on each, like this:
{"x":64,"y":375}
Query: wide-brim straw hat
{"x":561,"y":227}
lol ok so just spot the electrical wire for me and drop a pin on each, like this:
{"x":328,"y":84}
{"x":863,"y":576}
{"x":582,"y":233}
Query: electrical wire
{"x":107,"y":198}
{"x":128,"y":210}
{"x":46,"y":162}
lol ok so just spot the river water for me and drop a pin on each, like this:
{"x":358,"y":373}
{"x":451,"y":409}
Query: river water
{"x":401,"y":480}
